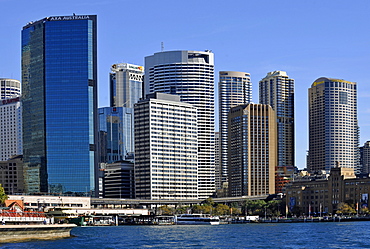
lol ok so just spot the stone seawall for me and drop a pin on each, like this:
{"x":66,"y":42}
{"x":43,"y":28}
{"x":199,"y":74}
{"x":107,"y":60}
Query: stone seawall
{"x":19,"y":233}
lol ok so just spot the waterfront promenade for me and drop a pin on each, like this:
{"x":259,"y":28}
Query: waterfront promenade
{"x":265,"y":235}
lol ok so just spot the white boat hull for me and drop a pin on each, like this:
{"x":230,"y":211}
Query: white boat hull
{"x":196,"y":220}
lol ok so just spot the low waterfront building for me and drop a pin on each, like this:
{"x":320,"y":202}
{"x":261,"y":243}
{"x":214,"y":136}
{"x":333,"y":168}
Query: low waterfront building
{"x":321,"y":194}
{"x":70,"y":206}
{"x":42,"y":202}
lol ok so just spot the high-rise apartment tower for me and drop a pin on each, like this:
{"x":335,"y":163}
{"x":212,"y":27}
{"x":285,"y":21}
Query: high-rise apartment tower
{"x":189,"y":74}
{"x":333,"y":127}
{"x":277,"y":90}
{"x":234,"y":88}
{"x":59,"y":87}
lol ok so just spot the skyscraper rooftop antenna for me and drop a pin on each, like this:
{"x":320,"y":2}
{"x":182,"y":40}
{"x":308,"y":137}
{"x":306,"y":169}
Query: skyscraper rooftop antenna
{"x":162,"y":46}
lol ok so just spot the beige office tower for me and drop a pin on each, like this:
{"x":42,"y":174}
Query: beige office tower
{"x":252,"y":150}
{"x":277,"y":90}
{"x":333,"y":127}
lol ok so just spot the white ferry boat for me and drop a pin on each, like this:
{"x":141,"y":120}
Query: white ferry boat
{"x":196,"y":219}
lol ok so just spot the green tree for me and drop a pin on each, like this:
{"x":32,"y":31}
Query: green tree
{"x":273,"y":207}
{"x":182,"y":209}
{"x":208,"y":201}
{"x":202,"y":209}
{"x":345,"y":208}
{"x":256,"y":207}
{"x":221,"y":209}
{"x":365,"y":210}
{"x":3,"y":196}
{"x":236,"y":211}
{"x":166,"y":210}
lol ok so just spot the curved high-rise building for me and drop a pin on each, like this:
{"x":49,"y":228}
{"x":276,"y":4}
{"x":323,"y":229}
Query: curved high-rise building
{"x":333,"y":127}
{"x":277,"y":90}
{"x":189,"y":74}
{"x":9,"y":88}
{"x":234,"y":88}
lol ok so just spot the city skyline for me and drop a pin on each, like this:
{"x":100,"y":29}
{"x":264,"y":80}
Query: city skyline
{"x":317,"y":43}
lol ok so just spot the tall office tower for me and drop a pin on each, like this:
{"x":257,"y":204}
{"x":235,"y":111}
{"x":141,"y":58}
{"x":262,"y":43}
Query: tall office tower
{"x":59,"y":87}
{"x":116,"y":138}
{"x":365,"y":158}
{"x":166,"y":148}
{"x":217,"y":161}
{"x":333,"y":127}
{"x":189,"y":74}
{"x":126,"y":84}
{"x":252,"y":150}
{"x":9,"y":88}
{"x":234,"y":88}
{"x":10,"y":128}
{"x":277,"y":90}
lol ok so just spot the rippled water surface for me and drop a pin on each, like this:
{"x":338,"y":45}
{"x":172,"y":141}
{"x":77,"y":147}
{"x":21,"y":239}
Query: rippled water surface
{"x":296,"y":235}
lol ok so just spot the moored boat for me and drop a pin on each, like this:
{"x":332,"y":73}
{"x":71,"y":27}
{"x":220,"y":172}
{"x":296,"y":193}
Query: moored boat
{"x":196,"y":219}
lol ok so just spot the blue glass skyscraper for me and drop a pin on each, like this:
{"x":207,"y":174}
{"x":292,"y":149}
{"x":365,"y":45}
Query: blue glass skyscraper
{"x":116,"y":138}
{"x":60,"y":97}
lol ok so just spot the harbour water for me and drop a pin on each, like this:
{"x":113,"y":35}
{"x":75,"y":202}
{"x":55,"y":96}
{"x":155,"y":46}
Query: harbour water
{"x":270,"y":235}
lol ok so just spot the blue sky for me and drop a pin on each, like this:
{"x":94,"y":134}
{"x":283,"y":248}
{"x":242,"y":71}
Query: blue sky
{"x":307,"y":39}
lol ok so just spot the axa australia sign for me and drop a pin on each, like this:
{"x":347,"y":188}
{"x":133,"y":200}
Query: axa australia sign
{"x":66,"y":18}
